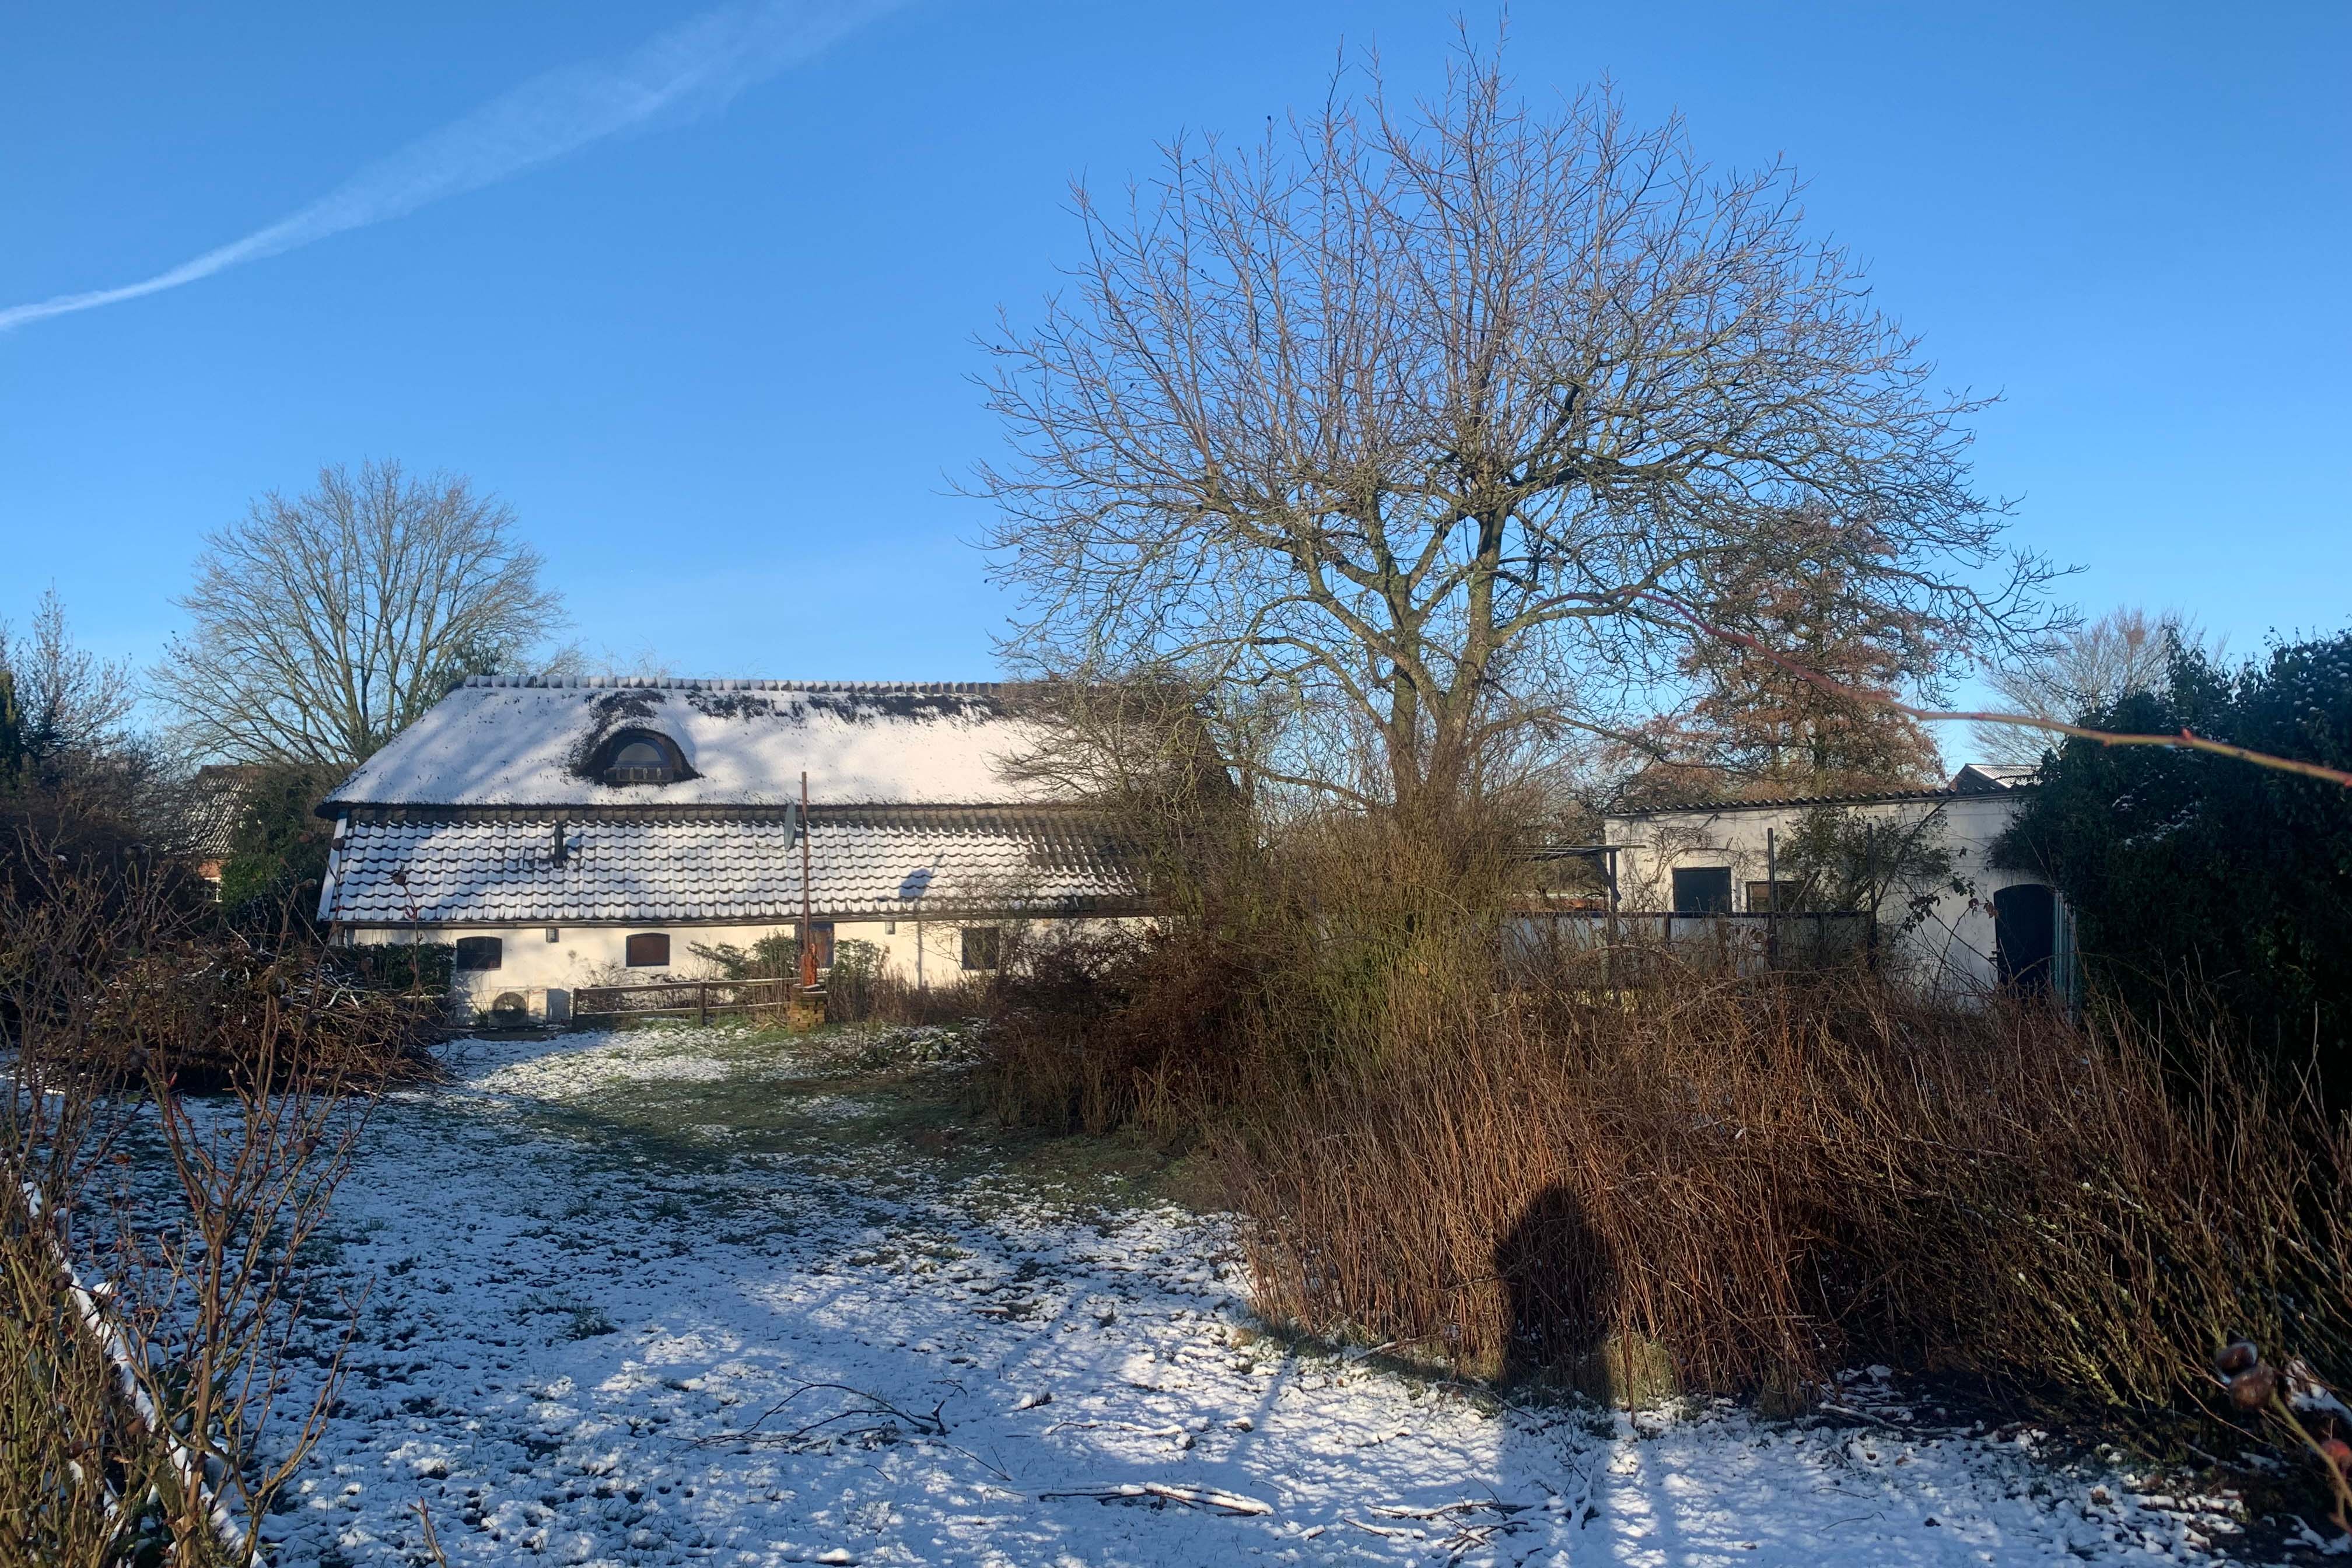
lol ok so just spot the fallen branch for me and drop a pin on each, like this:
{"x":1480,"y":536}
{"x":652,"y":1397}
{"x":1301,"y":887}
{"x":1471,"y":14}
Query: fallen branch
{"x":1469,"y":1505}
{"x":1224,"y":1502}
{"x":931,"y":1425}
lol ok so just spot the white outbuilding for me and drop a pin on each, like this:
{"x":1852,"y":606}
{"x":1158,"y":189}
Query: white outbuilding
{"x":1723,"y":863}
{"x":593,"y":831}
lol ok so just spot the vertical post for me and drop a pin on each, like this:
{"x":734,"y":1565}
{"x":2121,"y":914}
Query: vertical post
{"x":702,"y":1002}
{"x":808,"y":936}
{"x":1771,"y":898}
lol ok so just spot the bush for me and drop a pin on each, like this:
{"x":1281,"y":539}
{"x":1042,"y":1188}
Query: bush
{"x":421,"y":968}
{"x":1094,"y":1031}
{"x":145,"y":1328}
{"x":2201,"y":878}
{"x":120,"y":973}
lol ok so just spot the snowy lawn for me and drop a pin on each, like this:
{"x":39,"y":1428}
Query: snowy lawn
{"x":690,"y":1296}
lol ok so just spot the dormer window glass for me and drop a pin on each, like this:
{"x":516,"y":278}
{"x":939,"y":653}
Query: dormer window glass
{"x":638,"y":757}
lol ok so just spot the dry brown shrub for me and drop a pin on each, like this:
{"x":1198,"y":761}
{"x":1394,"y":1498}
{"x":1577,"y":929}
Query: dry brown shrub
{"x":150,"y":1314}
{"x":1281,"y":958}
{"x":1089,"y":1032}
{"x":1753,"y":1184}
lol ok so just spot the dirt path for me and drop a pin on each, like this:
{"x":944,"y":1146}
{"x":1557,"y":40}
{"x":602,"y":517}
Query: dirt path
{"x":687,"y":1296}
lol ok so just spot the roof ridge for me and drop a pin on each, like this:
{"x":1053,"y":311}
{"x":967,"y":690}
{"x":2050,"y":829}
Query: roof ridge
{"x":725,"y":683}
{"x":1771,"y":800}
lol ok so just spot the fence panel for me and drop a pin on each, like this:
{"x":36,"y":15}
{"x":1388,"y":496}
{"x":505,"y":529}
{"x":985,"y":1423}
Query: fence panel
{"x":696,"y":999}
{"x":1619,"y":949}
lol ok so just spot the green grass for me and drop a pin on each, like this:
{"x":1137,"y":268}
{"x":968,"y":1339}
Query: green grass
{"x":833,"y":1095}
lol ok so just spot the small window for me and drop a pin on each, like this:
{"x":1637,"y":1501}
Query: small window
{"x":1703,"y":890}
{"x":638,"y":757}
{"x":983,"y":946}
{"x":1771,"y":897}
{"x":649,"y":949}
{"x":480,"y":952}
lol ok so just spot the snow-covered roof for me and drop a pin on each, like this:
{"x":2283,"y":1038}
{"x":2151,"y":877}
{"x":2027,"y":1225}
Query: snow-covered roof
{"x":500,"y":741}
{"x":890,"y":864}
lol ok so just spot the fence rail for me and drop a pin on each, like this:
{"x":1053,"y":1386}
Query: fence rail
{"x":696,"y":999}
{"x":1644,"y":948}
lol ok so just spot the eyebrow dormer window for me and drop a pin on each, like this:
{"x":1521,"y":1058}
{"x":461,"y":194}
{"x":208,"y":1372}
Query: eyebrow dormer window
{"x":634,"y":757}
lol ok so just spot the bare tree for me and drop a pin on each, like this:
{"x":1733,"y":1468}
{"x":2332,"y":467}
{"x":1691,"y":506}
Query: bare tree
{"x":326,"y":622}
{"x":1434,"y":424}
{"x":2082,"y":670}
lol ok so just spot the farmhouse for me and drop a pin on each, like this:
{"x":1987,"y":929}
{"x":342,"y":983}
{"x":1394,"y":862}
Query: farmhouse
{"x":562,"y":832}
{"x":1729,"y":861}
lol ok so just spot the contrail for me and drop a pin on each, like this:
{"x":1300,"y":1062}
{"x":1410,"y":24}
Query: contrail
{"x":693,"y":69}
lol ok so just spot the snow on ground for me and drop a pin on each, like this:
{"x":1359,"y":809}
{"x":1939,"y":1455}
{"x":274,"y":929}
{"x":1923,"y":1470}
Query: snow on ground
{"x":682,"y":1297}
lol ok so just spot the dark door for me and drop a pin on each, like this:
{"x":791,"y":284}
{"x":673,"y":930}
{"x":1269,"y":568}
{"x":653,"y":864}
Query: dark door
{"x":1703,"y":890}
{"x":2024,"y":936}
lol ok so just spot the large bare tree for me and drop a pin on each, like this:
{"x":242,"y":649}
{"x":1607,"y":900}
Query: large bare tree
{"x":2082,"y":669}
{"x":324,"y":623}
{"x":1442,"y":429}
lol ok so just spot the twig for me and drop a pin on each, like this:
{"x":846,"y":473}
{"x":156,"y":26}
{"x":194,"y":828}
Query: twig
{"x":431,"y":1541}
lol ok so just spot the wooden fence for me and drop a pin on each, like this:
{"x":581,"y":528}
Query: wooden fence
{"x":696,"y":999}
{"x":1620,"y":948}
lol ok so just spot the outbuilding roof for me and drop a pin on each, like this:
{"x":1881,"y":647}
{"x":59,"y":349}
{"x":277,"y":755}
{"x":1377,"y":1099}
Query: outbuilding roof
{"x":214,"y":805}
{"x":468,"y":868}
{"x":1976,"y":778}
{"x":500,"y":741}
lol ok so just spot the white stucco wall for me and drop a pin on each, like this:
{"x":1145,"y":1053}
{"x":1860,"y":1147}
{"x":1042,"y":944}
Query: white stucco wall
{"x":1952,"y":950}
{"x":919,"y":953}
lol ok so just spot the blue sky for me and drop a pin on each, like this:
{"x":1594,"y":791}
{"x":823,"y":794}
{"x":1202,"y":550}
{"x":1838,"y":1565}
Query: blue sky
{"x":720,"y":365}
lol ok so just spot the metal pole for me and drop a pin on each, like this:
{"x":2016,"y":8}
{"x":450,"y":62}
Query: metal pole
{"x":808,"y":935}
{"x":1771,"y":898}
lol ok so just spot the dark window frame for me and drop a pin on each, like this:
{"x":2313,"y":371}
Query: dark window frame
{"x":472,"y":948}
{"x":645,"y":940}
{"x":988,"y":948}
{"x":1687,"y":900}
{"x":671,"y":769}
